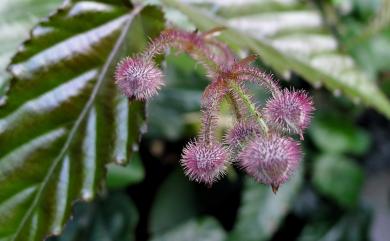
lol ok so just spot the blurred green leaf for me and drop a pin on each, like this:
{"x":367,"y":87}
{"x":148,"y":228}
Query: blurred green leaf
{"x":351,"y":227}
{"x":288,"y":36}
{"x":366,"y":9}
{"x":65,"y":120}
{"x":378,"y":22}
{"x":337,"y":134}
{"x":371,"y":52}
{"x":14,"y":26}
{"x":112,"y":218}
{"x":365,"y":33}
{"x":181,"y":95}
{"x":206,"y":229}
{"x":123,"y":176}
{"x":338,"y":178}
{"x":174,"y":204}
{"x":261,"y":211}
{"x":314,"y":231}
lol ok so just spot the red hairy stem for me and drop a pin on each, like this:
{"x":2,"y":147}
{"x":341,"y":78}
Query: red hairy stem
{"x":227,"y":58}
{"x":191,"y":43}
{"x":253,"y":111}
{"x":210,"y":104}
{"x":258,"y":139}
{"x":235,"y":105}
{"x":213,"y":31}
{"x":240,"y":103}
{"x":255,"y":75}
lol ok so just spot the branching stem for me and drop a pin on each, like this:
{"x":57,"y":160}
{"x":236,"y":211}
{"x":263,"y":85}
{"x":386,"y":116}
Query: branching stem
{"x":235,"y":106}
{"x":250,"y":105}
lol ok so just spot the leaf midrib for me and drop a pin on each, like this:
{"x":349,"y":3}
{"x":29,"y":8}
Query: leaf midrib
{"x":80,"y":119}
{"x":204,"y":21}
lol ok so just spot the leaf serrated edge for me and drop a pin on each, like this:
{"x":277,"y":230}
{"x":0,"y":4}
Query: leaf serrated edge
{"x":83,"y":114}
{"x":5,"y":86}
{"x":61,"y":8}
{"x":203,"y":21}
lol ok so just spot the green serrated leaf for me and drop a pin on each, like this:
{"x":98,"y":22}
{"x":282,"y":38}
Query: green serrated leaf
{"x":338,"y":178}
{"x":176,"y":200}
{"x":288,"y":36}
{"x":261,"y":211}
{"x":206,"y":229}
{"x":14,"y":27}
{"x":65,"y":119}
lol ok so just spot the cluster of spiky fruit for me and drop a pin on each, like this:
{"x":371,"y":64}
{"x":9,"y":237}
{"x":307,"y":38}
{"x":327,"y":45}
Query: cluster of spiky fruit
{"x":259,"y":141}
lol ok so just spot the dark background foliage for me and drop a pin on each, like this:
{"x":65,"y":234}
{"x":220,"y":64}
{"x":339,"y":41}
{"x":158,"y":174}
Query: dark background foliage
{"x":341,"y":192}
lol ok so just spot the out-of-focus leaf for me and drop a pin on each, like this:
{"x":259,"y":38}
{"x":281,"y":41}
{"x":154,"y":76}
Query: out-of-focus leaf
{"x":379,"y":21}
{"x":65,"y":119}
{"x":314,"y":231}
{"x":181,"y":95}
{"x":338,"y":135}
{"x":206,"y":229}
{"x":123,"y":176}
{"x":112,"y":218}
{"x":351,"y":227}
{"x":371,"y":52}
{"x":261,"y":211}
{"x":174,"y":204}
{"x":288,"y":36}
{"x":14,"y":26}
{"x":365,"y":33}
{"x":338,"y":178}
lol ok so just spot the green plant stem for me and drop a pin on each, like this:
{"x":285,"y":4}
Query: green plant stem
{"x":249,"y":105}
{"x":234,"y":103}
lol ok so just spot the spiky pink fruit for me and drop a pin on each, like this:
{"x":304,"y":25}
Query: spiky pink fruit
{"x":271,"y":160}
{"x":289,"y":111}
{"x":138,"y":78}
{"x":242,"y":132}
{"x":204,"y":163}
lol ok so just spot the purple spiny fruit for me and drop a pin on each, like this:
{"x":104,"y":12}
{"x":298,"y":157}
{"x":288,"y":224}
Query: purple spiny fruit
{"x":138,"y":78}
{"x":289,"y":111}
{"x":189,"y":42}
{"x":240,"y":133}
{"x":204,"y":163}
{"x":271,"y":160}
{"x":263,"y":153}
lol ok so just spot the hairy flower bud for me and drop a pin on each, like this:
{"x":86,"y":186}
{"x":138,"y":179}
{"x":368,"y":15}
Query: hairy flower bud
{"x":289,"y":111}
{"x":256,"y":143}
{"x":271,"y":160}
{"x":241,"y":132}
{"x":204,"y":163}
{"x":138,"y":78}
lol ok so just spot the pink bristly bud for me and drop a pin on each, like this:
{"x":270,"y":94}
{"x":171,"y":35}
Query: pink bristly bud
{"x":241,"y":133}
{"x":271,"y":160}
{"x":138,"y":78}
{"x":204,"y":163}
{"x":289,"y":111}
